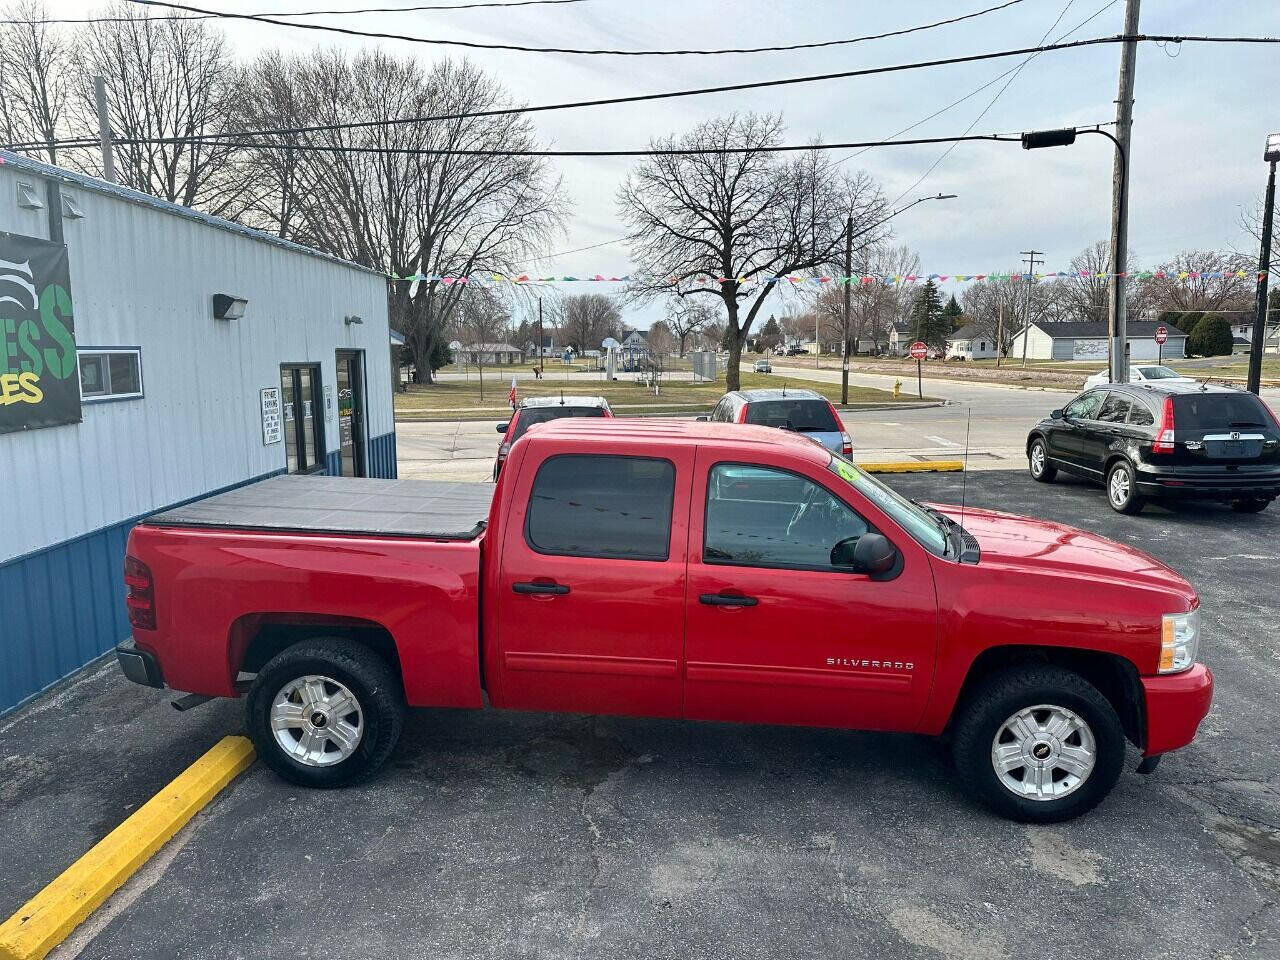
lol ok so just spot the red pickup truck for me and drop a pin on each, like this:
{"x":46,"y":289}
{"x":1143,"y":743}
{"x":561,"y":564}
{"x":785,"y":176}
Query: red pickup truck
{"x":671,"y":569}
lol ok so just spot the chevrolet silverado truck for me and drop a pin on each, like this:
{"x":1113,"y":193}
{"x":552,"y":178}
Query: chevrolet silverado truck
{"x":707,"y":571}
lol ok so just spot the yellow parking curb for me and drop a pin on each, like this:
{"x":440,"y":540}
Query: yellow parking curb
{"x":48,"y":917}
{"x":914,"y":466}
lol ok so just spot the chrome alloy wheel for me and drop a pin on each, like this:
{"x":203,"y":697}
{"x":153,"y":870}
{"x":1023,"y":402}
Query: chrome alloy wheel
{"x":317,"y":721}
{"x":1118,"y":486}
{"x":1044,"y":752}
{"x":1037,"y":459}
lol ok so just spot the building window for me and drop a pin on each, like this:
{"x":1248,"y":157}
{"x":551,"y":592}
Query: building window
{"x":303,"y":417}
{"x":110,"y":373}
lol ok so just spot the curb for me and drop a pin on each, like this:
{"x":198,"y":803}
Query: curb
{"x":49,"y":917}
{"x":915,"y":466}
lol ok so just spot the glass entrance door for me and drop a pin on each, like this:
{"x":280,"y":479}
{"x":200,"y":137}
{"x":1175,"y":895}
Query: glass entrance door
{"x":351,"y":412}
{"x":303,"y":417}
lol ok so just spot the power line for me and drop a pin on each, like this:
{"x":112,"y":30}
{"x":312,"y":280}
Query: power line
{"x":647,"y":97}
{"x":292,"y":13}
{"x":348,"y":31}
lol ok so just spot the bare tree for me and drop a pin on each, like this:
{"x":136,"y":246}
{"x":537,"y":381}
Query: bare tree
{"x":1000,"y":307}
{"x":661,"y":342}
{"x":586,"y":319}
{"x":1251,"y":223}
{"x":481,"y":320}
{"x":732,"y":226}
{"x":1199,"y":291}
{"x":34,"y":68}
{"x":275,"y":96}
{"x":411,"y":213}
{"x":686,"y":317}
{"x":166,"y":78}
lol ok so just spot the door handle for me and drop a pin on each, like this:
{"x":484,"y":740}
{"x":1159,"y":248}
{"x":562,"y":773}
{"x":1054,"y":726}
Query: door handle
{"x":556,"y":589}
{"x":727,"y":600}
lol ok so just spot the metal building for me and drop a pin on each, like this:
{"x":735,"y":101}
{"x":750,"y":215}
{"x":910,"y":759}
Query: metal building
{"x":149,"y":355}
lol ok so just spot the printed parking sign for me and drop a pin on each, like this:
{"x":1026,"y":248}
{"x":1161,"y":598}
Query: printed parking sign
{"x":39,"y":385}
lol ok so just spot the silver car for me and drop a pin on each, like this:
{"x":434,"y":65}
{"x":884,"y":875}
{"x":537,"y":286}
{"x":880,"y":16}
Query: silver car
{"x":803,"y":411}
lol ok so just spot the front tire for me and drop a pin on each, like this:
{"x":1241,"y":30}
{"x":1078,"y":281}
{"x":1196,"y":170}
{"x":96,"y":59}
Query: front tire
{"x":1038,"y":462}
{"x":1039,"y":744}
{"x":325,"y":712}
{"x":1251,"y":505}
{"x":1122,"y":488}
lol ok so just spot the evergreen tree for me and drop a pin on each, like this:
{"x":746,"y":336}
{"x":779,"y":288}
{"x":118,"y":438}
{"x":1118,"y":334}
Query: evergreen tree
{"x":927,"y":320}
{"x":955,"y":316}
{"x":770,"y":335}
{"x":1211,"y":337}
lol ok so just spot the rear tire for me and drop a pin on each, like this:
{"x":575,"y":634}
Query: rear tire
{"x":1122,"y":489}
{"x":1018,"y":715}
{"x":325,"y":712}
{"x":1251,"y":505}
{"x":1038,"y":462}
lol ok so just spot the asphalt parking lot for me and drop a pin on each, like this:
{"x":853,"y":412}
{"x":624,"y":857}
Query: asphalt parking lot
{"x":520,"y":835}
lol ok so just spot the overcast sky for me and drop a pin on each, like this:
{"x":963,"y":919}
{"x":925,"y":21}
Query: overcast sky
{"x":1201,"y":112}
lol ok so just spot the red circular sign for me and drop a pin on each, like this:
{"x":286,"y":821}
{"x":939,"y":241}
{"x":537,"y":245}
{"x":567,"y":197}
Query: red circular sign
{"x":1162,"y":334}
{"x":919,"y":350}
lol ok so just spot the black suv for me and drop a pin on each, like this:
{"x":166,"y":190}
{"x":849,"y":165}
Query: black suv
{"x":1157,"y":440}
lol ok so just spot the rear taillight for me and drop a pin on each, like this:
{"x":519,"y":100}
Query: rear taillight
{"x":846,"y":441}
{"x":141,"y":596}
{"x":742,"y":414}
{"x":1164,"y":442}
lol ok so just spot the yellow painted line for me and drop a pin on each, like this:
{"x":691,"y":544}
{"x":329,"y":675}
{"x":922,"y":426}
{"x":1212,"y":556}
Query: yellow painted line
{"x":914,"y":466}
{"x":48,"y":917}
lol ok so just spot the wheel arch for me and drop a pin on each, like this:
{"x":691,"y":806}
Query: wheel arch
{"x":257,"y":637}
{"x":1116,"y":678}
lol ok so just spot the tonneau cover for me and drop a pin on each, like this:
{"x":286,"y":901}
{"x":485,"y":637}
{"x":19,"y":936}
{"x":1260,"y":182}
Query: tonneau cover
{"x":416,"y":508}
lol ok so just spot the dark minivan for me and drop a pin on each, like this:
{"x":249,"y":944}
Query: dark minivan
{"x":1164,"y":440}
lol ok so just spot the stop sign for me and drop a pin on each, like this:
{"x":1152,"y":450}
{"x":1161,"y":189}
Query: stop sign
{"x":918,"y":350}
{"x":1162,"y":334}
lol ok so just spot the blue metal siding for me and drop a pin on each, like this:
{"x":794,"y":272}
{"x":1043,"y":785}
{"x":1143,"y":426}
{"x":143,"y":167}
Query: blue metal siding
{"x":382,"y":456}
{"x":333,"y":463}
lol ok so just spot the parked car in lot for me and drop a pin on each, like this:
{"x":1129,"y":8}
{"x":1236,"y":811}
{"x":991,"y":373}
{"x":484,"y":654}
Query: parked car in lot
{"x":1163,"y":439}
{"x":763,"y":366}
{"x":669,"y":568}
{"x":543,"y":410}
{"x":803,"y":411}
{"x":1141,"y":373}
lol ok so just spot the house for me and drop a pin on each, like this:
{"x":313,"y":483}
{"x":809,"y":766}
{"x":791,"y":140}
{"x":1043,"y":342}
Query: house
{"x":971,"y":342}
{"x":491,"y":354}
{"x":901,"y":336}
{"x":634,"y":349}
{"x":1242,"y":337}
{"x":1087,"y":340}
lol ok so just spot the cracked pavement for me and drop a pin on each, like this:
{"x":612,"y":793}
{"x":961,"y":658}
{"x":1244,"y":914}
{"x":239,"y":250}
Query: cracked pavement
{"x":499,"y":834}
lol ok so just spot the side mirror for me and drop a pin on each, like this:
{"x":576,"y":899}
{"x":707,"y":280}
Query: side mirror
{"x":702,"y":419}
{"x":873,"y":553}
{"x":1055,"y":414}
{"x":502,"y":427}
{"x":842,"y":554}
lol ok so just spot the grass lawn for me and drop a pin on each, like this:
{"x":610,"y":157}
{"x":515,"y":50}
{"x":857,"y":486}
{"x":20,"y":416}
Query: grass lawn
{"x":461,"y":400}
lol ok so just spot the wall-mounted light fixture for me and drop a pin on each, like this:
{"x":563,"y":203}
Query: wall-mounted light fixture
{"x":29,"y":197}
{"x":352,"y":319}
{"x":228,"y":307}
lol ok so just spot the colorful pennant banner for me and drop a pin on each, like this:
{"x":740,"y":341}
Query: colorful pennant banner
{"x":863,"y":278}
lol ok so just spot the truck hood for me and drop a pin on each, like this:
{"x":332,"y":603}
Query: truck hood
{"x":1043,"y":546}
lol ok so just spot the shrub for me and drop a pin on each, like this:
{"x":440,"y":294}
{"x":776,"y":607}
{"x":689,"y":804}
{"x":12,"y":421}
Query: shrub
{"x":1211,"y":337}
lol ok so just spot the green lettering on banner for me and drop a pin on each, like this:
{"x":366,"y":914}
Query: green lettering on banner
{"x":28,"y":333}
{"x":55,"y":306}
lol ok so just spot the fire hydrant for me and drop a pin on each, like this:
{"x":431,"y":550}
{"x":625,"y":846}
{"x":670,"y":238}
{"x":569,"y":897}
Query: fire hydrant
{"x":897,"y":388}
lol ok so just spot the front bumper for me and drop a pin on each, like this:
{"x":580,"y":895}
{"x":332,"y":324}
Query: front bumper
{"x":138,"y":665}
{"x":1176,"y":703}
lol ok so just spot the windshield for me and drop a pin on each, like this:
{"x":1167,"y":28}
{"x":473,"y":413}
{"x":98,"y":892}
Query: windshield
{"x":1159,"y":373}
{"x":812,"y":416}
{"x":531,"y":415}
{"x":924,"y":527}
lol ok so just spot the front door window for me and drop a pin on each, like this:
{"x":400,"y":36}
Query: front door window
{"x":303,"y":417}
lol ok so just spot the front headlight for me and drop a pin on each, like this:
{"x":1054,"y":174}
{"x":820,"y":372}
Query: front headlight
{"x":1179,"y":641}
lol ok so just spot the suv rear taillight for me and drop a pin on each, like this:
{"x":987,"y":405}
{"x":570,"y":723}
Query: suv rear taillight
{"x":141,"y":595}
{"x":1164,"y":441}
{"x":846,"y":441}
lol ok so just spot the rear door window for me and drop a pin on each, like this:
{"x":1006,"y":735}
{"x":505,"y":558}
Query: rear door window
{"x":812,"y":416}
{"x":1140,"y":415}
{"x":1219,"y":411}
{"x":531,"y":415}
{"x":609,"y":507}
{"x":1115,"y":409}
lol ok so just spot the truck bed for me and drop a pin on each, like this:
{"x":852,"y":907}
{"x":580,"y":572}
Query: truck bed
{"x":356,"y":505}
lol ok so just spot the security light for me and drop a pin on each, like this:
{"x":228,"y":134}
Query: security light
{"x":1272,"y":153}
{"x":228,"y":307}
{"x":352,"y":319}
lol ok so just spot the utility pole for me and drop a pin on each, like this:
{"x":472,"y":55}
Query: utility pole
{"x":1264,"y":265}
{"x":1117,"y":319}
{"x":104,"y":129}
{"x":848,"y":279}
{"x":541,"y":368}
{"x":1000,"y":330}
{"x":1031,"y":262}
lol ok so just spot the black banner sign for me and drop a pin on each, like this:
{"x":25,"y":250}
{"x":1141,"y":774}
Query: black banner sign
{"x":39,"y":382}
